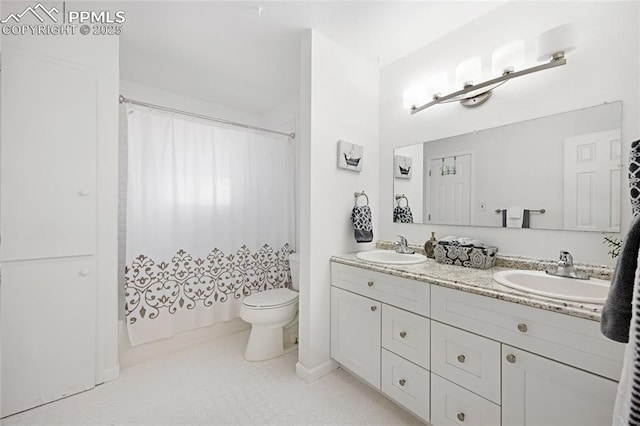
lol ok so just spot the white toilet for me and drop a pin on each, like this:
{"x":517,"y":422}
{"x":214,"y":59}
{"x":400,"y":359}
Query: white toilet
{"x":273,"y":314}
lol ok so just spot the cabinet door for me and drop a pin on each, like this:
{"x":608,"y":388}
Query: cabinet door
{"x":48,"y":158}
{"x":48,"y":326}
{"x":539,"y":391}
{"x":355,"y":334}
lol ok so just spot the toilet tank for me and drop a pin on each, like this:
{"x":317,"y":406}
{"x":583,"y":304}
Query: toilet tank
{"x":294,"y":264}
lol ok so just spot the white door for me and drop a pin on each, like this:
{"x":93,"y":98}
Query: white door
{"x":537,"y":391}
{"x":592,"y":181}
{"x":355,"y":334}
{"x":48,"y":158}
{"x":449,"y":193}
{"x":48,"y":319}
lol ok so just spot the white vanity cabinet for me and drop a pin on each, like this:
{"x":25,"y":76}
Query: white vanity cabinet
{"x":556,"y":369}
{"x":539,"y":391}
{"x":457,"y":358}
{"x":380,"y":331}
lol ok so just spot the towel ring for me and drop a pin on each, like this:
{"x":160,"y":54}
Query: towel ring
{"x":358,"y":195}
{"x":399,"y":199}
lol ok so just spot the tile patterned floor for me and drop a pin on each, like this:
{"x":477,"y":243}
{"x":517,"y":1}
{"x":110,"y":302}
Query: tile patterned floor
{"x":212,"y":384}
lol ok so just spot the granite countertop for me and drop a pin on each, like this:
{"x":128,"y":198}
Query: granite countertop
{"x":477,"y":281}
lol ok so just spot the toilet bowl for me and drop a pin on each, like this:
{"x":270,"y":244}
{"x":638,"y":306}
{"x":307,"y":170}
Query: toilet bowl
{"x":270,"y":314}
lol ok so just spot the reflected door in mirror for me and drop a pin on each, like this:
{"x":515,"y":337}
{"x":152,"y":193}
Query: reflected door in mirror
{"x":449,"y":190}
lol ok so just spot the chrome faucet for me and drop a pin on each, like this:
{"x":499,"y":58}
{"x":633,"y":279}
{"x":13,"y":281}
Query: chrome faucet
{"x":566,"y":269}
{"x":402,"y":246}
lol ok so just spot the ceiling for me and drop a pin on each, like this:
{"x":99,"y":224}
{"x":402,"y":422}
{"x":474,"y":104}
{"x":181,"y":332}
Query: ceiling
{"x":245,"y":54}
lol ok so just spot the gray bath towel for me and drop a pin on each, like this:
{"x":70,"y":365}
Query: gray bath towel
{"x":616,"y":313}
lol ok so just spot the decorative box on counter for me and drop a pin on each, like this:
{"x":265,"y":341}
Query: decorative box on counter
{"x":465,"y":252}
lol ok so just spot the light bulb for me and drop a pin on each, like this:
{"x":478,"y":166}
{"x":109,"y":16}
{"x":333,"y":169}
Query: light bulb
{"x":507,"y":58}
{"x":556,"y":40}
{"x":469,"y":71}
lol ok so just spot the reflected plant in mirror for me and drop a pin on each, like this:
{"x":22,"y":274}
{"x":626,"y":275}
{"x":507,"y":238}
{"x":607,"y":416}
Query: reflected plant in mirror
{"x":562,"y":172}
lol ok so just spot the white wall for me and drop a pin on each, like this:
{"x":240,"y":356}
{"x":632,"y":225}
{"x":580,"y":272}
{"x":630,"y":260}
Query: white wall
{"x":606,"y":30}
{"x":338,"y":100}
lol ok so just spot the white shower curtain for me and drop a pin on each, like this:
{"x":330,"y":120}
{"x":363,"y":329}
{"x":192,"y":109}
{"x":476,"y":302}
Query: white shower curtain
{"x":210,"y":220}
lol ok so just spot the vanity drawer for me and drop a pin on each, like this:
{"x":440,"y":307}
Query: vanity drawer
{"x":467,"y":359}
{"x":574,"y":341}
{"x":454,"y":405}
{"x":406,"y":383}
{"x":401,"y":292}
{"x":406,"y":334}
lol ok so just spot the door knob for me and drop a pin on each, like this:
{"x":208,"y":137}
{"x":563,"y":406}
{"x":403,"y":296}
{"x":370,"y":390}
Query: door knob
{"x":402,"y":382}
{"x":511,"y":358}
{"x":460,"y":416}
{"x":373,"y":308}
{"x":370,"y":283}
{"x":522,"y":327}
{"x":461,"y":358}
{"x":403,"y":334}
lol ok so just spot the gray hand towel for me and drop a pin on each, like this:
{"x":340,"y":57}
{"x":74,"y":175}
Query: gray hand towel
{"x":362,"y":227}
{"x":616,"y":313}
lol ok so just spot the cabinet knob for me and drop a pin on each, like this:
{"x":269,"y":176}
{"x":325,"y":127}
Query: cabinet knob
{"x":522,"y":327}
{"x":460,"y":416}
{"x":370,"y":283}
{"x":511,"y":358}
{"x":84,"y":192}
{"x":403,"y":334}
{"x":84,"y":272}
{"x":461,"y":358}
{"x":373,"y":308}
{"x":402,"y":382}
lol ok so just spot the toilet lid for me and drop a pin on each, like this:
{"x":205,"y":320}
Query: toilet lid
{"x":274,"y":297}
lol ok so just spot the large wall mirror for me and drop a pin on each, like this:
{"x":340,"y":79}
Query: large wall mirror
{"x":557,"y":172}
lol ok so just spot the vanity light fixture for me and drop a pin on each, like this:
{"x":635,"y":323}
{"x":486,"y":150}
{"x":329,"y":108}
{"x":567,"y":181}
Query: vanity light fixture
{"x":552,"y":46}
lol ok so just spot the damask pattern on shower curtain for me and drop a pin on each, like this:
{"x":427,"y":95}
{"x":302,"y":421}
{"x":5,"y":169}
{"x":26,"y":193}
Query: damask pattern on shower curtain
{"x":163,"y":288}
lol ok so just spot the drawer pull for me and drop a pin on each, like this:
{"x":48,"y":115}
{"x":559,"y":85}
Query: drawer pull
{"x":402,"y":382}
{"x":370,"y":283}
{"x":460,"y":416}
{"x":461,"y":358}
{"x":522,"y":327}
{"x":373,"y":308}
{"x":511,"y":358}
{"x":84,"y":272}
{"x":403,"y":334}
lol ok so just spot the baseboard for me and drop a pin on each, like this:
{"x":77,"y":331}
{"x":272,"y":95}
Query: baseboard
{"x":111,"y":373}
{"x":312,"y":374}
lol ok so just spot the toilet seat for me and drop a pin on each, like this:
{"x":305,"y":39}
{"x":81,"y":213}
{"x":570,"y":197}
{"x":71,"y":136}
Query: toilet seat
{"x":270,"y":299}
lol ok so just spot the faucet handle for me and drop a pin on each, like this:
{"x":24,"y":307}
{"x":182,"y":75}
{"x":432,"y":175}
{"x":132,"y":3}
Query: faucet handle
{"x":403,"y":240}
{"x":566,"y":258}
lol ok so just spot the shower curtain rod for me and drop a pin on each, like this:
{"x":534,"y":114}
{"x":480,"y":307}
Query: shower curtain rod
{"x":122,"y":99}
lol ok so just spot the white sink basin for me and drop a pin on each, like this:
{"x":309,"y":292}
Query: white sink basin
{"x":390,"y":257}
{"x":539,"y":282}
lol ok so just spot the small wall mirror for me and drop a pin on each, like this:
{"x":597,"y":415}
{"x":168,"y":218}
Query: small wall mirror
{"x":562,"y":171}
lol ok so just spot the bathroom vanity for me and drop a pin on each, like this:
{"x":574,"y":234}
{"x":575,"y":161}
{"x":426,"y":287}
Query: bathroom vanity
{"x":456,"y":348}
